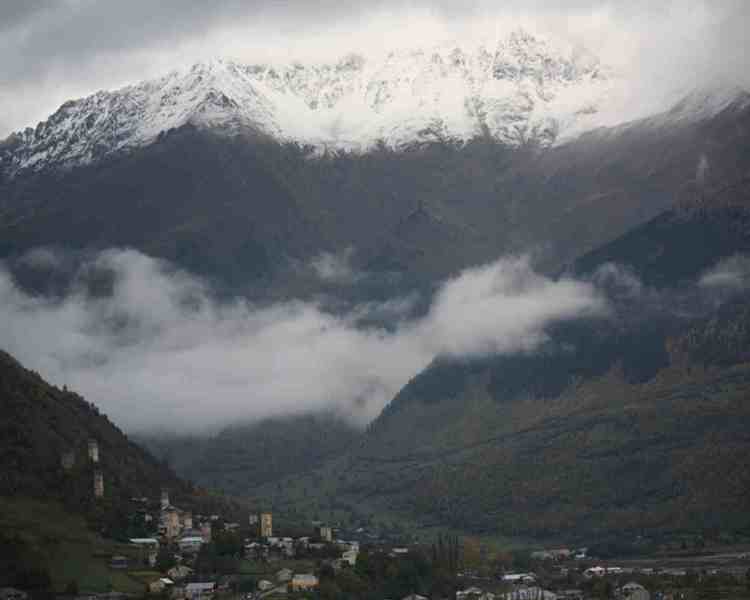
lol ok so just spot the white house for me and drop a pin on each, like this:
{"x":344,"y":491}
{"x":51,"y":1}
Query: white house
{"x":190,"y":543}
{"x":517,"y":578}
{"x":350,"y":556}
{"x":195,"y":591}
{"x":284,"y":575}
{"x":633,"y":591}
{"x":529,"y":593}
{"x":472,"y":592}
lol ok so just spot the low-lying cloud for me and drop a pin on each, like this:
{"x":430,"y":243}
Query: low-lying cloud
{"x":502,"y":308}
{"x":732,"y":273}
{"x":154,"y":348}
{"x":632,"y":301}
{"x":336,"y":267}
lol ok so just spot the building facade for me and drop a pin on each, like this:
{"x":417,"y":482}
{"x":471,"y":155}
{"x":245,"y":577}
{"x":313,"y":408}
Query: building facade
{"x":303,"y":583}
{"x":266,"y":525}
{"x":93,"y":451}
{"x":325,"y":533}
{"x":171,"y":521}
{"x":98,"y":484}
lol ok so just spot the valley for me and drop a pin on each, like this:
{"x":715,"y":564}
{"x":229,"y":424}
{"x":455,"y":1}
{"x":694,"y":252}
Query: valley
{"x":466,"y":318}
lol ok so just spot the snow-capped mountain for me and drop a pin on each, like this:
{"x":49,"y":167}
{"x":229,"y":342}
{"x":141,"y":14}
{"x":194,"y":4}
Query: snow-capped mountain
{"x":519,"y":89}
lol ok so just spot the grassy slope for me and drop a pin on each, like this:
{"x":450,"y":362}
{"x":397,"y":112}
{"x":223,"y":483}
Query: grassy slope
{"x":70,"y":550}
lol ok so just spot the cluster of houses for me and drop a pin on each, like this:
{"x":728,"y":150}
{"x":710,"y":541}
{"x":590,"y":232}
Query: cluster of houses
{"x":600,"y":571}
{"x":271,"y":548}
{"x":172,"y":526}
{"x":528,"y":585}
{"x":530,"y":591}
{"x":287,"y":580}
{"x":523,"y":592}
{"x":184,"y":534}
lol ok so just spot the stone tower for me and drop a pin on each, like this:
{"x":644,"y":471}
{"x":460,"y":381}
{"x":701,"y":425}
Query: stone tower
{"x":171,"y":523}
{"x":325,"y":533}
{"x":266,"y":525}
{"x":164,"y":498}
{"x":98,"y":484}
{"x":94,"y":451}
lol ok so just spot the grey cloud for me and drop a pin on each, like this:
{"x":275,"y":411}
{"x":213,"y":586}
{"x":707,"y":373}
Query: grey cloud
{"x":41,"y":258}
{"x":15,"y":14}
{"x":631,"y":301}
{"x":390,"y":311}
{"x":503,"y":307}
{"x":618,"y":280}
{"x":161,"y":351}
{"x":336,"y":268}
{"x":731,"y":273}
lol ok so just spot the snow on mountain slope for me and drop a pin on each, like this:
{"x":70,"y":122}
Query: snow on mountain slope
{"x":522,"y":88}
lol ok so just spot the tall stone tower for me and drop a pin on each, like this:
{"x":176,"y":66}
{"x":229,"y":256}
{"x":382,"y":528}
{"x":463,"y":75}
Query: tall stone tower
{"x":266,"y":525}
{"x":98,"y":484}
{"x":94,"y":451}
{"x":325,"y":533}
{"x":164,"y":498}
{"x":172,"y":523}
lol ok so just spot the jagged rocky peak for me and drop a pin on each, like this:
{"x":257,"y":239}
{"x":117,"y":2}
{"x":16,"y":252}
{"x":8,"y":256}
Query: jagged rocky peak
{"x":521,"y":88}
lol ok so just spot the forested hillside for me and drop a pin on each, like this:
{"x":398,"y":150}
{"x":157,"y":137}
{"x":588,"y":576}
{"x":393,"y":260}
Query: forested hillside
{"x":615,"y":427}
{"x":54,"y":529}
{"x":40,"y":423}
{"x":242,"y":457}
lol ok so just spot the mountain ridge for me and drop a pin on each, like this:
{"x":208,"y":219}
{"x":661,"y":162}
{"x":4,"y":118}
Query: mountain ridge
{"x":521,"y":89}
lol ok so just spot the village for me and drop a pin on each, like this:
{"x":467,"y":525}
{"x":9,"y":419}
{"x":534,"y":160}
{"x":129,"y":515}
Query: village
{"x":183,"y":537}
{"x":202,"y":557}
{"x":172,"y":563}
{"x":182,"y":555}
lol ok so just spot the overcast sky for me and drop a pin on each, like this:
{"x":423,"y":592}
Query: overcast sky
{"x":54,"y":50}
